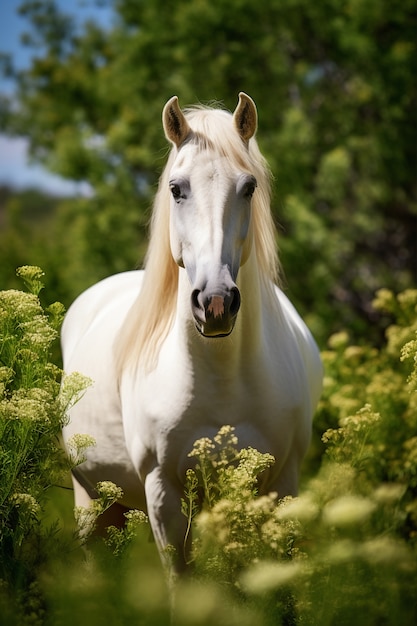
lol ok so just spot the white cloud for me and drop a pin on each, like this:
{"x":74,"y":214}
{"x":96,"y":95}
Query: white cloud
{"x":16,"y":171}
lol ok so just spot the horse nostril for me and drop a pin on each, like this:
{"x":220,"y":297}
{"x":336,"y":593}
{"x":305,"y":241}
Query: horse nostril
{"x":194,"y":299}
{"x":235,"y":302}
{"x":197,"y":308}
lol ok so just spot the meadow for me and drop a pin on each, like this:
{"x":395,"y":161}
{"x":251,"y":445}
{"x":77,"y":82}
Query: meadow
{"x":342,"y":552}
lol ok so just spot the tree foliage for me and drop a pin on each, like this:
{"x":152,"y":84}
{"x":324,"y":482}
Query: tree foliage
{"x":336,"y":94}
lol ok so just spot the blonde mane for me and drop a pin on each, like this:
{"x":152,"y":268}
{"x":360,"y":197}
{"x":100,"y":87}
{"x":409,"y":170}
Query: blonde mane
{"x":152,"y":314}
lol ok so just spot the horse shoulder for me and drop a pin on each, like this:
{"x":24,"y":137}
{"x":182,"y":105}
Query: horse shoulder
{"x":92,"y":307}
{"x":306,"y":344}
{"x":90,"y":329}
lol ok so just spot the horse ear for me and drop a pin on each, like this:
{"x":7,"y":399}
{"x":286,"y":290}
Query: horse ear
{"x":245,"y":117}
{"x":175,"y":125}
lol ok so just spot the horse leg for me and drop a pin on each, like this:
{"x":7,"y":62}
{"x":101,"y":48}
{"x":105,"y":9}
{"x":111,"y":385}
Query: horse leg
{"x":286,"y":483}
{"x":168,"y":524}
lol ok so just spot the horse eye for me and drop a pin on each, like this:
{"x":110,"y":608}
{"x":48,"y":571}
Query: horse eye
{"x":176,"y":191}
{"x":249,"y":189}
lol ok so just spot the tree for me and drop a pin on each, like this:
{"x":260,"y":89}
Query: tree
{"x":336,"y":95}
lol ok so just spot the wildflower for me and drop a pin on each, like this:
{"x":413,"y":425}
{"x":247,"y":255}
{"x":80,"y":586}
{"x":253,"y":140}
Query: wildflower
{"x":331,"y":435}
{"x":387,"y":550}
{"x":73,"y":387}
{"x":263,"y":505}
{"x":364,"y":417}
{"x":408,"y":299}
{"x":202,"y":447}
{"x":384,"y":301}
{"x":85,"y":518}
{"x":6,"y":377}
{"x":17,"y":305}
{"x":31,"y":276}
{"x":136,"y":517}
{"x":389,"y":493}
{"x":38,"y":333}
{"x":304,"y":509}
{"x":338,"y":340}
{"x":408,"y":352}
{"x":6,"y":374}
{"x":251,"y":463}
{"x":25,"y":500}
{"x":77,"y":446}
{"x":25,"y":355}
{"x":254,"y":461}
{"x":108,"y":491}
{"x":118,"y":539}
{"x":343,"y":551}
{"x":266,"y":576}
{"x":226,"y":436}
{"x":347,"y":510}
{"x":56,"y":311}
{"x":28,"y":404}
{"x":190,"y":504}
{"x":353,"y":429}
{"x":354,"y":353}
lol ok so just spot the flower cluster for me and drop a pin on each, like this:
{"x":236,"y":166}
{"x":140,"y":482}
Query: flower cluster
{"x":35,"y":404}
{"x":32,"y":414}
{"x":73,"y":387}
{"x":229,"y":513}
{"x":31,"y":276}
{"x":352,"y":531}
{"x":202,"y":448}
{"x":77,"y":446}
{"x":107,"y":494}
{"x":28,"y":502}
{"x":119,"y":539}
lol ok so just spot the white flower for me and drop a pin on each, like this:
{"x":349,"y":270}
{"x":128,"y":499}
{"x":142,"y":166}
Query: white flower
{"x":202,"y":447}
{"x":109,"y":491}
{"x":28,"y":404}
{"x":27,"y":501}
{"x":347,"y":510}
{"x":73,"y":387}
{"x":77,"y":446}
{"x":267,"y":575}
{"x":303,"y":509}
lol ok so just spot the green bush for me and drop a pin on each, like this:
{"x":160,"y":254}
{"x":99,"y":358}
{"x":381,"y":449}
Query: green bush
{"x":345,"y":551}
{"x":32,"y":412}
{"x":342,"y":552}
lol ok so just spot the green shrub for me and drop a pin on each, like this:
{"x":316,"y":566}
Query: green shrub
{"x":32,"y":413}
{"x":345,"y":551}
{"x":342,"y":552}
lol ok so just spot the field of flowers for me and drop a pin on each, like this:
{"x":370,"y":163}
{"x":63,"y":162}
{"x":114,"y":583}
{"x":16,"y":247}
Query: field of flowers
{"x":343,"y":552}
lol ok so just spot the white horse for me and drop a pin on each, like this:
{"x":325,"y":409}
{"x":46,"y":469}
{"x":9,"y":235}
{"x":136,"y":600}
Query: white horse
{"x":202,"y":338}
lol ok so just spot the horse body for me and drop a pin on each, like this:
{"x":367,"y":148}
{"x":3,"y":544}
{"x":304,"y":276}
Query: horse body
{"x":232,"y":351}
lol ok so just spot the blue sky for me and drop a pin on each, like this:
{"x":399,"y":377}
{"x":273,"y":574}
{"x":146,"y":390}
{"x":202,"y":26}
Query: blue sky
{"x":15,"y":168}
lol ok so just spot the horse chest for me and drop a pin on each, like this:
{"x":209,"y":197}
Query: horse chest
{"x":212,"y":396}
{"x":175,"y":410}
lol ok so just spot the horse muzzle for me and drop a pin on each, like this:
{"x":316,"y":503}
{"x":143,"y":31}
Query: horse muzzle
{"x":215,"y":314}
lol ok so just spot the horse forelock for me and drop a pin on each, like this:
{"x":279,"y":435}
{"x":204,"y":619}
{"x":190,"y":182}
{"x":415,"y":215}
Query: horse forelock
{"x":151,"y":316}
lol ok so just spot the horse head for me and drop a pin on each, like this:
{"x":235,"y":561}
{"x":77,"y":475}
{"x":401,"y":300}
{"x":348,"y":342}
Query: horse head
{"x":211,"y":189}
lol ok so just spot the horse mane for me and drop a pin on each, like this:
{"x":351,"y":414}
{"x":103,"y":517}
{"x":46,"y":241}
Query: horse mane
{"x":151,"y":316}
